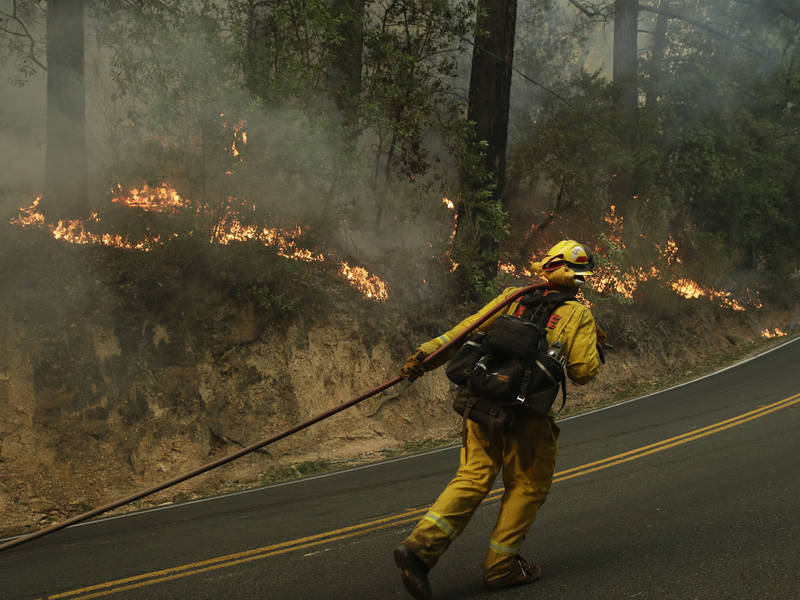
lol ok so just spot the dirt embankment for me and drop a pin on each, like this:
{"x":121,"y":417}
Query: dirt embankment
{"x":118,"y":372}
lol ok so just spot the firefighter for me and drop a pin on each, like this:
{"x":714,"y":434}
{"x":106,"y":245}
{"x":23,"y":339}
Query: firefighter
{"x":526,"y":453}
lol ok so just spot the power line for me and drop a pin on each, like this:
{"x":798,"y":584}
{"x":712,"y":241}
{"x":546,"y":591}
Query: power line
{"x":530,"y":79}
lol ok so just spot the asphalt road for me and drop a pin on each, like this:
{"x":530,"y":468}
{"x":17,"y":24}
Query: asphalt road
{"x":692,"y":493}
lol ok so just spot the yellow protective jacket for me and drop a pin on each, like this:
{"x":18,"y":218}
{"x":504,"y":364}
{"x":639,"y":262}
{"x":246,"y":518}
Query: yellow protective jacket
{"x":575,"y":328}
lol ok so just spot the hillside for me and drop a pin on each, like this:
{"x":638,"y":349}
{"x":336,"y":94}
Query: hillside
{"x":120,"y":369}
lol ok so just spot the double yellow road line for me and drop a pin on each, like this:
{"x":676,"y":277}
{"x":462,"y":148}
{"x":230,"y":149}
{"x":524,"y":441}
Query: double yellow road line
{"x":678,"y":440}
{"x":410,"y":516}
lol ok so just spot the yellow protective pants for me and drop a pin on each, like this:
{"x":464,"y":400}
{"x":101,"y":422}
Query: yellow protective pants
{"x":528,"y":456}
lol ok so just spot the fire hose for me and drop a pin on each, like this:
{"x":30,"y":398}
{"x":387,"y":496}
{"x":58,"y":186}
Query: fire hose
{"x":253,"y":447}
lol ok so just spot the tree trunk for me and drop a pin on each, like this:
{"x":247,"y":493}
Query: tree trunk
{"x":621,"y":189}
{"x":656,"y":65}
{"x":346,"y":57}
{"x":626,"y":18}
{"x":66,"y":171}
{"x":477,"y":243}
{"x":490,"y":82}
{"x":250,"y":61}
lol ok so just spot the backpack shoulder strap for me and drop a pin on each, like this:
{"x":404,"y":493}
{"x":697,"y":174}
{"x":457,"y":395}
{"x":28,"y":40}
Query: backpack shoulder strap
{"x":539,"y":305}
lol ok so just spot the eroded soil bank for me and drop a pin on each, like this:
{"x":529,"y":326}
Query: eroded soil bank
{"x":119,"y":371}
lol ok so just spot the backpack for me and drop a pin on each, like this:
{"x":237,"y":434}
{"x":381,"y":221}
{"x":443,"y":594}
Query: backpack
{"x":511,"y":368}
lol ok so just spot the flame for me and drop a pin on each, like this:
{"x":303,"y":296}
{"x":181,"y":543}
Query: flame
{"x":753,"y":299}
{"x":229,"y":230}
{"x":616,"y":224}
{"x":691,"y":289}
{"x":369,"y":285}
{"x":669,"y":253}
{"x":239,"y":137}
{"x":74,"y":231}
{"x":513,"y":271}
{"x":610,"y":278}
{"x":161,"y":199}
{"x":688,"y":288}
{"x":507,"y":268}
{"x":29,"y":215}
{"x":774,"y":333}
{"x":448,"y":253}
{"x":449,"y":204}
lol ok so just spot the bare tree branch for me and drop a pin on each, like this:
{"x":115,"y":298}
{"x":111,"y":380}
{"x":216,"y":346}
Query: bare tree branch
{"x":589,"y":12}
{"x":776,"y":7}
{"x":699,"y":24}
{"x":24,"y":33}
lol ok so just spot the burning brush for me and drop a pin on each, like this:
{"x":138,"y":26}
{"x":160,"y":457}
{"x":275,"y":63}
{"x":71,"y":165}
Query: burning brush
{"x":611,"y":278}
{"x":165,"y":200}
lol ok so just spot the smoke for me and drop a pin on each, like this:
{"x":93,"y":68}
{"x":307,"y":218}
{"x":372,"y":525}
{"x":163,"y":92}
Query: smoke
{"x":168,"y":102}
{"x":22,"y":105}
{"x":168,"y":94}
{"x":22,"y":118}
{"x":168,"y":110}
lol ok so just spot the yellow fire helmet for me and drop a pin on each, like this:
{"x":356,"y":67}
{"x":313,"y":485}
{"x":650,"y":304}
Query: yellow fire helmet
{"x":566,"y":264}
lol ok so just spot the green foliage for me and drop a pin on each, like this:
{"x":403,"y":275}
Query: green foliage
{"x":286,"y":49}
{"x":730,"y":139}
{"x":550,"y":46}
{"x":715,"y":164}
{"x":615,"y":257}
{"x":279,"y":47}
{"x":271,"y":67}
{"x":22,"y":26}
{"x":177,"y":99}
{"x":573,"y":145}
{"x":409,"y":60}
{"x":271,"y":289}
{"x":482,"y":220}
{"x":265,"y":299}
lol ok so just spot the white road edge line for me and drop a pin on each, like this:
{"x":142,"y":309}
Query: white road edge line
{"x":680,"y":385}
{"x":421,"y":454}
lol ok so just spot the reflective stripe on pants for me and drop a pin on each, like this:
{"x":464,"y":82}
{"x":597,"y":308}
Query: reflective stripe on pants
{"x":527,"y":455}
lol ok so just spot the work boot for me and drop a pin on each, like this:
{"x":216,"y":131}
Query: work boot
{"x":415,"y":573}
{"x":523,"y":573}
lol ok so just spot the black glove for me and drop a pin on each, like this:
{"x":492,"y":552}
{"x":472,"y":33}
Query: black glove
{"x":413,"y":367}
